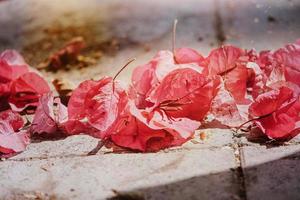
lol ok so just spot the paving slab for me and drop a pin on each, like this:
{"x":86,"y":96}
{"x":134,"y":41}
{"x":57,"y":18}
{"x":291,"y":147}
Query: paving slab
{"x":81,"y":145}
{"x":174,"y":175}
{"x":272,"y":173}
{"x":260,"y":24}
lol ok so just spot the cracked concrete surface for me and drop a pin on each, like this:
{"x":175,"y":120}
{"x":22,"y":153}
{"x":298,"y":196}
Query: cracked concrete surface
{"x":222,"y":166}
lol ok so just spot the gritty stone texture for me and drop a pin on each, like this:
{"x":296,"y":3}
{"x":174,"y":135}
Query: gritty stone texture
{"x":71,"y":146}
{"x":260,"y":24}
{"x":173,"y":175}
{"x":272,"y":173}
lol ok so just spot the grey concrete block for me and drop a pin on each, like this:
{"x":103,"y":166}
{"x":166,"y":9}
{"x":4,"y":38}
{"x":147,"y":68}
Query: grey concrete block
{"x":198,"y":174}
{"x":272,"y":173}
{"x":260,"y":24}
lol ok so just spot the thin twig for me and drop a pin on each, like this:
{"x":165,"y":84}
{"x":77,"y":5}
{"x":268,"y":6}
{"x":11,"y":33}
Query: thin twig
{"x":130,"y":61}
{"x":100,"y":144}
{"x":174,"y":36}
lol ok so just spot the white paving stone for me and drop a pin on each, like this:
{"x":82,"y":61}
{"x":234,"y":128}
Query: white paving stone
{"x":195,"y":173}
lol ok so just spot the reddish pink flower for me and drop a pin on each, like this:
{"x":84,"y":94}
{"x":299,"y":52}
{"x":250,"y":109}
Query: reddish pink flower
{"x":225,"y":109}
{"x":185,"y":93}
{"x":103,"y":104}
{"x":12,"y":66}
{"x":12,"y":139}
{"x":77,"y":122}
{"x":147,"y":77}
{"x":19,"y":87}
{"x":151,"y":131}
{"x":289,"y":59}
{"x":26,"y":90}
{"x":96,"y":105}
{"x":49,"y":116}
{"x":277,"y":113}
{"x":266,"y":62}
{"x":76,"y":103}
{"x":188,"y":55}
{"x":230,"y":63}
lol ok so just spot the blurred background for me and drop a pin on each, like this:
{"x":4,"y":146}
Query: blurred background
{"x":118,"y":30}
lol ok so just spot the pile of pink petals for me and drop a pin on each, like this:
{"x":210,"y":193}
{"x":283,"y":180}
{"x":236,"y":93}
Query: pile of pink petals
{"x":167,"y":100}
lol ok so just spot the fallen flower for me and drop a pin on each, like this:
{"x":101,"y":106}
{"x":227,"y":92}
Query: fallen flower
{"x":289,"y":59}
{"x":12,"y":66}
{"x":142,"y":130}
{"x":96,"y":105}
{"x":147,"y":77}
{"x":187,"y":56}
{"x":26,"y":90}
{"x":185,"y":93}
{"x":276,"y":113}
{"x":19,"y":88}
{"x":49,"y":116}
{"x":66,"y":55}
{"x":225,"y":109}
{"x":230,"y":63}
{"x":12,"y":139}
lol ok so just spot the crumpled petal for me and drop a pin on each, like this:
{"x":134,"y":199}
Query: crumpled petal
{"x":49,"y":116}
{"x":12,"y":65}
{"x":236,"y":83}
{"x":223,"y":59}
{"x":95,"y":105}
{"x":188,"y":55}
{"x":76,"y":103}
{"x":289,"y":58}
{"x":13,"y":119}
{"x":11,"y":139}
{"x":185,"y":93}
{"x":282,"y":124}
{"x":225,"y":109}
{"x":26,"y":91}
{"x":148,"y":76}
{"x":271,"y":101}
{"x":277,"y":113}
{"x":230,"y":63}
{"x":103,"y":104}
{"x":146,"y":131}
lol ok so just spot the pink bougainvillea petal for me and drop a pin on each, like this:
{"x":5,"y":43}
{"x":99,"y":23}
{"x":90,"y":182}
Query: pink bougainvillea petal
{"x":103,"y":103}
{"x":13,"y":119}
{"x":95,"y":106}
{"x":281,"y":124}
{"x":76,"y":103}
{"x":277,"y":113}
{"x":143,"y":79}
{"x":12,"y":57}
{"x":185,"y":93}
{"x":138,"y":136}
{"x":271,"y":101}
{"x":188,"y":55}
{"x":147,"y":77}
{"x":49,"y":115}
{"x":225,"y":109}
{"x":26,"y":91}
{"x":289,"y":58}
{"x":146,"y":131}
{"x":236,"y":83}
{"x":159,"y":119}
{"x":12,"y":140}
{"x":12,"y":65}
{"x":223,"y":59}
